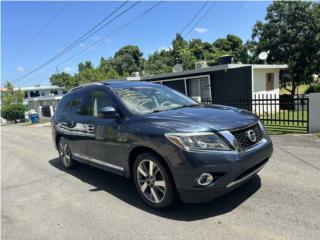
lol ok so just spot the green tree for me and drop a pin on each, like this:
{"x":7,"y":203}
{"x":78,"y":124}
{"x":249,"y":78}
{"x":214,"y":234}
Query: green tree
{"x":231,"y":45}
{"x":159,"y":62}
{"x":179,"y":43}
{"x":106,"y":67}
{"x":89,"y":75}
{"x":64,"y":80}
{"x":291,"y":32}
{"x":12,"y":107}
{"x":13,"y":112}
{"x":128,"y":60}
{"x":187,"y":58}
{"x":10,"y":96}
{"x":84,"y":66}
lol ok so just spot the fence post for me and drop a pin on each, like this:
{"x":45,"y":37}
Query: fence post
{"x":314,"y":113}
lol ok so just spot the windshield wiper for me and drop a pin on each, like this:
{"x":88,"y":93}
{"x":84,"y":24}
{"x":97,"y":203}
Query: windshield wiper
{"x":168,"y":109}
{"x":184,"y":106}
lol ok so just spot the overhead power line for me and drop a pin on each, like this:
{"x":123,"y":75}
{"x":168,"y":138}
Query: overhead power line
{"x":85,"y":36}
{"x":108,"y":36}
{"x":194,"y":17}
{"x":200,"y":19}
{"x":114,"y":32}
{"x":39,"y":32}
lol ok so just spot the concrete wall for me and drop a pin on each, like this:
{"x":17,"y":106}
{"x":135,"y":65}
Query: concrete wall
{"x":37,"y":105}
{"x":314,"y":112}
{"x":259,"y":81}
{"x":259,"y":91}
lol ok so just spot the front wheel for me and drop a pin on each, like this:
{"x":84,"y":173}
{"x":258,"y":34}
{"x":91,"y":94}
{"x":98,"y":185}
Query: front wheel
{"x":153,"y":182}
{"x":65,"y":154}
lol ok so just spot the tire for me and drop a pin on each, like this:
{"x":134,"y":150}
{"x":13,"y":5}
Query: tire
{"x":155,"y":187}
{"x":65,"y":154}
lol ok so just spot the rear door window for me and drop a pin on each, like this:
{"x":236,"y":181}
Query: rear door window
{"x":81,"y":104}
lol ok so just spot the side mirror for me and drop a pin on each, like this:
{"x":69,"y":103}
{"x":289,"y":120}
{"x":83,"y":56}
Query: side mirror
{"x":108,"y":112}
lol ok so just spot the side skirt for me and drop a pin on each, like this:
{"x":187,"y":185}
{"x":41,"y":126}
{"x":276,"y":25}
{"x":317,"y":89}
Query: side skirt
{"x":99,"y":164}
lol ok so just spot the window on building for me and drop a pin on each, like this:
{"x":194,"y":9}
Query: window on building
{"x":270,"y":81}
{"x":199,"y":87}
{"x":54,"y":92}
{"x":42,"y":94}
{"x":26,"y":94}
{"x":34,"y":94}
{"x":176,"y":85}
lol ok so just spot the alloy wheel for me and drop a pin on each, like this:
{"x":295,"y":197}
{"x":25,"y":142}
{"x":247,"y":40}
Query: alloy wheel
{"x":64,"y":151}
{"x":151,"y":181}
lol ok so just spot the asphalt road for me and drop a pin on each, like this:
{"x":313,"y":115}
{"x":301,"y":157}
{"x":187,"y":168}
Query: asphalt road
{"x":40,"y":200}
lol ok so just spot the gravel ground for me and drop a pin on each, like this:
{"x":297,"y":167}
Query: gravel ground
{"x":40,"y":200}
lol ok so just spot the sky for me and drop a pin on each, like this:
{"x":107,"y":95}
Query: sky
{"x":34,"y":32}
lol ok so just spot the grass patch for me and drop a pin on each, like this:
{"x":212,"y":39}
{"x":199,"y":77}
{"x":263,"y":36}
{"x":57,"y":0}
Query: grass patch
{"x":283,"y":122}
{"x":301,"y":89}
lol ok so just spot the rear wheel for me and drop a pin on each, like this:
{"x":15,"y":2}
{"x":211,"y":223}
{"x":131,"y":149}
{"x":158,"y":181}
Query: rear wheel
{"x":153,"y":181}
{"x":65,"y":154}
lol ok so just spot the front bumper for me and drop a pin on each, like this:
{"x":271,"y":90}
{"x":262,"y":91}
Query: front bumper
{"x":231,"y":168}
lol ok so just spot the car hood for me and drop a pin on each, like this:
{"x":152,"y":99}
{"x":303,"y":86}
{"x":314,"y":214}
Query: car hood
{"x":202,"y":118}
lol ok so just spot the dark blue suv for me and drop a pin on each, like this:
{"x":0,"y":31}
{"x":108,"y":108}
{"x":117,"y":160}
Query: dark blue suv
{"x":172,"y":146}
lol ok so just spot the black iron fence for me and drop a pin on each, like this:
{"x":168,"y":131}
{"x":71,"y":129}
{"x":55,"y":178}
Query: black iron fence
{"x":276,"y":112}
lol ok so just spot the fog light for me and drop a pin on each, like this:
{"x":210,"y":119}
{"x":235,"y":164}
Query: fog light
{"x":205,"y":179}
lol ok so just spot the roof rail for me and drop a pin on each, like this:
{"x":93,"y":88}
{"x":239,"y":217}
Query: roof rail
{"x":85,"y":85}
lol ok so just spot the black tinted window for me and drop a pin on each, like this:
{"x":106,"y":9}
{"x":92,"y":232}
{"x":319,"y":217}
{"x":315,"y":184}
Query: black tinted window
{"x":64,"y":104}
{"x":101,"y":99}
{"x":81,"y":104}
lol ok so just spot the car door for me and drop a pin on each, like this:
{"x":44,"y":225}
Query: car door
{"x":76,"y":123}
{"x":106,"y":148}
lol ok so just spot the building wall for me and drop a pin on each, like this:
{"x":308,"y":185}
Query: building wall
{"x":231,"y":84}
{"x":44,"y":93}
{"x":260,"y":92}
{"x":259,"y":81}
{"x":37,"y":105}
{"x":226,"y":86}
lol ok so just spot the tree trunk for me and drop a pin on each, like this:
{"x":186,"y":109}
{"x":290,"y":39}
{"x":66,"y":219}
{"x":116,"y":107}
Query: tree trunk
{"x":293,"y":84}
{"x":293,"y":89}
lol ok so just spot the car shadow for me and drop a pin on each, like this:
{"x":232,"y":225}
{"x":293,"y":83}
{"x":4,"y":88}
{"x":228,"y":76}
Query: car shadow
{"x":124,"y":189}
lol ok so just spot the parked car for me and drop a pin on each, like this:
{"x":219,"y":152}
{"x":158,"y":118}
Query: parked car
{"x":170,"y":145}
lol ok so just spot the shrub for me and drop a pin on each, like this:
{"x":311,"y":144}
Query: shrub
{"x":13,"y":112}
{"x":314,"y":88}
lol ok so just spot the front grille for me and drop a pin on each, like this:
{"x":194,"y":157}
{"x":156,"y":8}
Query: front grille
{"x":243,"y":138}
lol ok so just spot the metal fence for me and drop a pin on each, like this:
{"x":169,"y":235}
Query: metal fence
{"x":282,"y":112}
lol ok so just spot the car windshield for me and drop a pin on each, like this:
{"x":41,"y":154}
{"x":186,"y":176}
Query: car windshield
{"x":153,"y":98}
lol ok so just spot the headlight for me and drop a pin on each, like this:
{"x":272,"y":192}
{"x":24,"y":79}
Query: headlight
{"x":263,"y":129}
{"x":198,"y":141}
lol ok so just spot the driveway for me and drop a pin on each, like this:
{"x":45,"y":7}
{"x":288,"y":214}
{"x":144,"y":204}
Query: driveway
{"x":40,"y":200}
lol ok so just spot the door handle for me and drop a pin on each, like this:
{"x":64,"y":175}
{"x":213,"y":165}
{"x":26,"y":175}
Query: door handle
{"x":90,"y":127}
{"x":67,"y":123}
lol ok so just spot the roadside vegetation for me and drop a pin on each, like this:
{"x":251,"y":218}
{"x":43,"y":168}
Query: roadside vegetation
{"x":290,"y":33}
{"x":12,"y":108}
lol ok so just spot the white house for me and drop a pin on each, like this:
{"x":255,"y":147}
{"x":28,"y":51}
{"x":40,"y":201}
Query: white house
{"x":42,"y":99}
